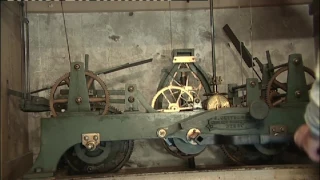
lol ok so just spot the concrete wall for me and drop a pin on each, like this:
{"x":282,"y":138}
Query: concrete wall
{"x":116,"y":38}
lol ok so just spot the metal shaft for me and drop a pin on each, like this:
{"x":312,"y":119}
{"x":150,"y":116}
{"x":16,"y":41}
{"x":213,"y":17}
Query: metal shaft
{"x":214,"y":65}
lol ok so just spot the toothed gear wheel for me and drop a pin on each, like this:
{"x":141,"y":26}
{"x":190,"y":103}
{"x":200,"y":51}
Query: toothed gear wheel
{"x":114,"y":110}
{"x":65,"y":80}
{"x":273,"y":97}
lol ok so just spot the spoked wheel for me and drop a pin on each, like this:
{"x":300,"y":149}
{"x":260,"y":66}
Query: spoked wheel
{"x":107,"y":157}
{"x":58,"y":102}
{"x":246,"y":155}
{"x":277,"y":86}
{"x":176,"y":99}
{"x":185,"y":74}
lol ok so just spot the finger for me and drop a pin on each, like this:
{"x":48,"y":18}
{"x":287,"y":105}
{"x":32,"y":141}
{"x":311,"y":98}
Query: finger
{"x":301,"y":135}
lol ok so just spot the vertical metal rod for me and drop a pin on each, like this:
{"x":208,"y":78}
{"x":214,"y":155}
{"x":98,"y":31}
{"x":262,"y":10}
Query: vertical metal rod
{"x":170,"y":25}
{"x":214,"y":65}
{"x":65,"y":31}
{"x":27,"y":50}
{"x":86,"y":62}
{"x":23,"y":53}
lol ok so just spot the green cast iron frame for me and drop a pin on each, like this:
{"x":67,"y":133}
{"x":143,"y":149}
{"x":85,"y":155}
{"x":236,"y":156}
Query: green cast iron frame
{"x":225,"y":126}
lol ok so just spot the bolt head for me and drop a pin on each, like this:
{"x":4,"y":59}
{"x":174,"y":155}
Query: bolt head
{"x":298,"y":94}
{"x":161,"y":133}
{"x":86,"y":138}
{"x":78,"y":100}
{"x":131,"y":99}
{"x":76,"y":66}
{"x":130,"y":88}
{"x":282,"y":129}
{"x":95,"y":137}
{"x":253,"y":84}
{"x":273,"y":130}
{"x":296,"y":61}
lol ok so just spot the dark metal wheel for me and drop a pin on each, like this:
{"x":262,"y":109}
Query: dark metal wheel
{"x":107,"y":157}
{"x":246,"y":155}
{"x":174,"y":150}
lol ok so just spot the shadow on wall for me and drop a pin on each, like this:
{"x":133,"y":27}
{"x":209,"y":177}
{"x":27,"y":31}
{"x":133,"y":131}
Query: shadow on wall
{"x":281,"y":22}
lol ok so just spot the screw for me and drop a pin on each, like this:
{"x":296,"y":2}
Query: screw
{"x":86,"y":138}
{"x":95,"y":137}
{"x":90,"y":146}
{"x":89,"y":169}
{"x":296,"y":61}
{"x":130,"y":88}
{"x":76,"y":66}
{"x":161,"y":133}
{"x":282,"y":129}
{"x":298,"y":93}
{"x":252,"y":83}
{"x":273,"y":130}
{"x":131,"y":99}
{"x":79,"y":100}
{"x":197,"y":100}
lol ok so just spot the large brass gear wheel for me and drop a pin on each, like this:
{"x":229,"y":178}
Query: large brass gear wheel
{"x":273,"y":97}
{"x":176,"y":99}
{"x":65,"y":80}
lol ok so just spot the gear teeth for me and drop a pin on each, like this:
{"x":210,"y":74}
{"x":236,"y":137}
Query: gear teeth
{"x":114,"y":110}
{"x":87,"y":73}
{"x":232,"y":158}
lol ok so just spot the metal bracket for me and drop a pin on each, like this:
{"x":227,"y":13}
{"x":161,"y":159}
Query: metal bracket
{"x":278,"y":130}
{"x":184,"y":59}
{"x":131,"y":103}
{"x":90,"y":140}
{"x":78,"y":97}
{"x":297,"y":84}
{"x":253,"y":91}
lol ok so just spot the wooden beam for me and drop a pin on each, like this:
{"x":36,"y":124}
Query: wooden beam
{"x":118,"y":6}
{"x":16,"y":158}
{"x":14,"y":169}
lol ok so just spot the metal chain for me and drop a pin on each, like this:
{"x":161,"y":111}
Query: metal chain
{"x":65,"y":30}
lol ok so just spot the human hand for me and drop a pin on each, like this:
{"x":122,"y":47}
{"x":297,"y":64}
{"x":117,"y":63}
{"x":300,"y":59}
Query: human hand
{"x":309,"y":144}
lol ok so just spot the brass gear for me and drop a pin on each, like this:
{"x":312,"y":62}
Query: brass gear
{"x":64,"y":80}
